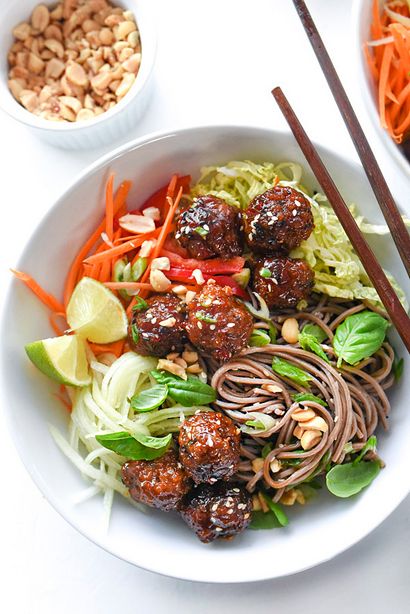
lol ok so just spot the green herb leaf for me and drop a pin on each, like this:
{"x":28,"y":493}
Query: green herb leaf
{"x":268,"y":447}
{"x":134,"y":333}
{"x":259,"y":338}
{"x":306,"y":396}
{"x":349,"y":479}
{"x":262,"y":521}
{"x":264,"y":272}
{"x":277,"y":510}
{"x":188,"y":392}
{"x":315,"y":331}
{"x":201,"y":315}
{"x":273,"y":333}
{"x":201,"y":231}
{"x":137,"y":447}
{"x":359,"y":336}
{"x":310,"y":343}
{"x":257,"y":424}
{"x":370,"y":445}
{"x":140,"y":304}
{"x":138,"y":269}
{"x":398,"y":367}
{"x":286,"y":369}
{"x":149,"y":399}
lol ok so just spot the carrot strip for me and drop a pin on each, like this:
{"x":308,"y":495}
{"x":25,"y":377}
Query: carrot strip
{"x":121,"y":197}
{"x":111,"y":348}
{"x":128,"y":285}
{"x":45,"y":297}
{"x":64,"y":401}
{"x":52,"y":318}
{"x":109,"y":208}
{"x":118,"y":250}
{"x":384,"y":75}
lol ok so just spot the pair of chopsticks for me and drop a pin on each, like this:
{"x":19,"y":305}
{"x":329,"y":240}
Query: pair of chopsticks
{"x":400,"y":235}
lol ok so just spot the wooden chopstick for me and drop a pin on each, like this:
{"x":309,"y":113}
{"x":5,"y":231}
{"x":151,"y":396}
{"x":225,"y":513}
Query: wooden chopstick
{"x":377,"y":181}
{"x":387,"y":295}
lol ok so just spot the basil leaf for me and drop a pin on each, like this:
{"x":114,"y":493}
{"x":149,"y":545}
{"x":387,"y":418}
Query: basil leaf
{"x":277,"y":510}
{"x":398,"y":367}
{"x":315,"y":331}
{"x":359,"y":336}
{"x":264,"y":272}
{"x":349,"y":479}
{"x":137,"y":447}
{"x":135,"y":333}
{"x":149,"y":399}
{"x":257,"y":424}
{"x":268,"y":447}
{"x":140,"y":304}
{"x":310,"y":343}
{"x":204,"y":317}
{"x":306,"y":396}
{"x":309,"y":491}
{"x":262,"y":521}
{"x":286,"y":369}
{"x":188,"y":392}
{"x":259,"y":338}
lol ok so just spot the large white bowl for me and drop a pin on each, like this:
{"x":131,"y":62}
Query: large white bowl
{"x":362,"y":18}
{"x":103,"y":129}
{"x":157,"y":541}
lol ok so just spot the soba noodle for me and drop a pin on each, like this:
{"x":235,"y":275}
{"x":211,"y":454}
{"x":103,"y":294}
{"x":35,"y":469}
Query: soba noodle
{"x":355,"y":400}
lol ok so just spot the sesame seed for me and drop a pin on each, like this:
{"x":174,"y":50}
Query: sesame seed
{"x":241,"y":506}
{"x":212,"y":327}
{"x":250,"y":236}
{"x":214,"y":507}
{"x":212,"y":480}
{"x":246,"y":516}
{"x":236,"y":489}
{"x":209,"y":442}
{"x":294,"y":213}
{"x":153,"y":320}
{"x":218,"y":529}
{"x":230,"y":512}
{"x":336,"y":418}
{"x":205,"y":227}
{"x":230,"y":325}
{"x":177,"y":235}
{"x":199,"y":325}
{"x":275,"y":281}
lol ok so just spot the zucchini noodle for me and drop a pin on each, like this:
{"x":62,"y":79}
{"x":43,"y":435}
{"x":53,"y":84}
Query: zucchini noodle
{"x":104,"y":407}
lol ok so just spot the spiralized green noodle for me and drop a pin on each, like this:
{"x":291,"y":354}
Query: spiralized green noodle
{"x":104,"y":407}
{"x":338,"y":270}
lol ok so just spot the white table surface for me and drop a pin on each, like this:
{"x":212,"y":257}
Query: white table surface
{"x":217,"y":62}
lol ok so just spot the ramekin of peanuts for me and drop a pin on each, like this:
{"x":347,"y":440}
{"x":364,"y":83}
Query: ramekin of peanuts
{"x":77,"y":71}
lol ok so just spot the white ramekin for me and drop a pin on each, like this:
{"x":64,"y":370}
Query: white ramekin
{"x":105,"y":128}
{"x":362,"y":18}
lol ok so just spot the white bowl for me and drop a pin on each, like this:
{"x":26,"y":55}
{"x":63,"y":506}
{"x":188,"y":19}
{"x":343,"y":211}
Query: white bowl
{"x":362,"y":18}
{"x":107,"y":127}
{"x":157,"y":541}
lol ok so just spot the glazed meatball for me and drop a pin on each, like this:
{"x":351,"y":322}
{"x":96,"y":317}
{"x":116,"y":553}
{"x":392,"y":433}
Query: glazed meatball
{"x":160,"y":483}
{"x":218,"y":324}
{"x":218,"y":511}
{"x":278,"y":220}
{"x":209,"y":447}
{"x":159,"y":329}
{"x":210,"y":227}
{"x":281,"y":281}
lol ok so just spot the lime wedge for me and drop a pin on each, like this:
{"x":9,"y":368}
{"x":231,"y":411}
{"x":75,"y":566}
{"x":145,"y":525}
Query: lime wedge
{"x":64,"y":359}
{"x":95,"y":313}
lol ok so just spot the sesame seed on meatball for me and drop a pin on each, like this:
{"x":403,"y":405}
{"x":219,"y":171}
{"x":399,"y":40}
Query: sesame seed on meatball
{"x":218,"y":324}
{"x":278,"y":220}
{"x":209,"y":447}
{"x":159,"y":329}
{"x":281,"y":281}
{"x":159,"y":483}
{"x":210,"y":227}
{"x":218,"y":511}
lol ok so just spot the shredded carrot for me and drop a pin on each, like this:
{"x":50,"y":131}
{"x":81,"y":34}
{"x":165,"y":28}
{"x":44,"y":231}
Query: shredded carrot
{"x":63,"y":400}
{"x":119,"y":250}
{"x":109,"y":208}
{"x":115,"y":348}
{"x":128,"y":285}
{"x":389,"y":65}
{"x":53,"y":321}
{"x":45,"y":297}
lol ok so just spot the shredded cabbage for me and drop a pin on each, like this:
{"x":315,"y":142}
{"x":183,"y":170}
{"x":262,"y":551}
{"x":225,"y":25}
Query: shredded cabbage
{"x":103,"y":407}
{"x":338,"y":270}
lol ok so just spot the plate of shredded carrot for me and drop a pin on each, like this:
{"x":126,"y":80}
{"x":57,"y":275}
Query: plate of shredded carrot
{"x":387,"y":55}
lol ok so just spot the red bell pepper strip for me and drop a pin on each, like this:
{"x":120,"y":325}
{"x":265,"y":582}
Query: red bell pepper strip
{"x":185,"y":276}
{"x":215,"y":266}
